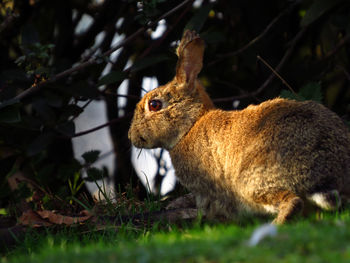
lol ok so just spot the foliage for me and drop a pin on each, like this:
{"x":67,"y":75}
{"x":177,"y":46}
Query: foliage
{"x":311,"y":91}
{"x":51,"y":69}
{"x":304,"y":241}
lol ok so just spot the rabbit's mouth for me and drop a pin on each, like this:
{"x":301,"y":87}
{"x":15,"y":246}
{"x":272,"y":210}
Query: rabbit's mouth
{"x":137,"y":140}
{"x":140,"y":142}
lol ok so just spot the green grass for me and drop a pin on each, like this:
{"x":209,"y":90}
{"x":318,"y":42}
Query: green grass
{"x":305,"y":240}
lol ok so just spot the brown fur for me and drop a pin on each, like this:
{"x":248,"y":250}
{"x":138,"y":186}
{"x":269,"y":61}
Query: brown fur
{"x":268,"y":158}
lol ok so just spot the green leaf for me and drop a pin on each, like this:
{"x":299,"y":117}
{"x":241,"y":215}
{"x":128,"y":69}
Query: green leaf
{"x":147,"y":62}
{"x":94,"y":174}
{"x":289,"y":95}
{"x":311,"y":91}
{"x":67,"y":128}
{"x":40,"y":143}
{"x":42,"y":71}
{"x":91,"y":156}
{"x":68,"y":170}
{"x":341,"y":21}
{"x":70,"y":110}
{"x":213,"y":37}
{"x":198,"y":19}
{"x":53,"y":99}
{"x":23,"y":191}
{"x":111,"y":77}
{"x":317,"y":9}
{"x":29,"y":34}
{"x":10,"y":114}
{"x":44,"y":173}
{"x":40,"y":105}
{"x":82,"y":91}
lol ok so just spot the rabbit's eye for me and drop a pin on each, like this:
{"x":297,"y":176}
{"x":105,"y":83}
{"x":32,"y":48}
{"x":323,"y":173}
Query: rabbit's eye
{"x":155,"y":105}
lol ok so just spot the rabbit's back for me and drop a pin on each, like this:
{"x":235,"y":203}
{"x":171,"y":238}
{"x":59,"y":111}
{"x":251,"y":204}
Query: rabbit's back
{"x":240,"y":156}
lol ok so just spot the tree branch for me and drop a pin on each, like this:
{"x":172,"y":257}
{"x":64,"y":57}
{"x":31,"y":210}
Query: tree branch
{"x":256,"y":39}
{"x":272,"y":75}
{"x":341,"y":43}
{"x":156,"y":44}
{"x":99,"y":127}
{"x":90,"y":62}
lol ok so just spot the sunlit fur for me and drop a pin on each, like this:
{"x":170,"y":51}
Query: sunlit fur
{"x":269,"y":158}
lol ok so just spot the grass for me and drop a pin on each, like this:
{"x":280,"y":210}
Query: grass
{"x":305,"y":240}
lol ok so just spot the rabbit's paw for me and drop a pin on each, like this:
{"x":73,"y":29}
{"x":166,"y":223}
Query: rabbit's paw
{"x":288,"y":208}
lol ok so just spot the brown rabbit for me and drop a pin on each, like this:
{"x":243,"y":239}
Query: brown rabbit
{"x":268,"y":158}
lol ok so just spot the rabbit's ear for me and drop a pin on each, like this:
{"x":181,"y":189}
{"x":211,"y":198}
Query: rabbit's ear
{"x":190,"y":52}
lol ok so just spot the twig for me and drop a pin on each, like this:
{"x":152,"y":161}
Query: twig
{"x":157,"y":43}
{"x":283,"y":60}
{"x":89,"y":62}
{"x":113,"y":121}
{"x":272,"y":75}
{"x":106,"y":93}
{"x":347,"y":74}
{"x":277,"y":74}
{"x":165,"y":34}
{"x":83,"y":107}
{"x":341,"y":43}
{"x":254,"y":40}
{"x":142,"y":29}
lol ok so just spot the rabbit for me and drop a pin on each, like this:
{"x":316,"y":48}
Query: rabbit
{"x":268,"y":159}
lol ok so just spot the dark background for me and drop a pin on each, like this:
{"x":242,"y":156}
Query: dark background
{"x":46,"y":68}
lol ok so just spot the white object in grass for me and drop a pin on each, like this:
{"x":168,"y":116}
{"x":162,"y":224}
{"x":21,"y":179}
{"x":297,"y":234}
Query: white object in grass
{"x":266,"y":230}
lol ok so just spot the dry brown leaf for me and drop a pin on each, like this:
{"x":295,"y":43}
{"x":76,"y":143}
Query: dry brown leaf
{"x":19,"y":177}
{"x":31,"y":218}
{"x":59,"y":219}
{"x":15,"y":179}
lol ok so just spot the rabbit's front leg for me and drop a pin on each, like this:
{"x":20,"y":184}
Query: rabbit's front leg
{"x":214,"y":209}
{"x":284,"y":202}
{"x":202,"y":204}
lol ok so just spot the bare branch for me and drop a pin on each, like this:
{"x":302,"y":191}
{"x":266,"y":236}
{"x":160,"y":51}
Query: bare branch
{"x":256,"y":39}
{"x":346,"y":73}
{"x":283,"y":60}
{"x":341,"y":43}
{"x":100,"y":126}
{"x":272,"y":75}
{"x":277,"y":74}
{"x":143,"y":29}
{"x":157,"y":43}
{"x":90,"y":62}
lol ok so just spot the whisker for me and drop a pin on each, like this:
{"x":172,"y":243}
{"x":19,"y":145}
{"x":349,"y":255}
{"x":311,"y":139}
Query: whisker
{"x":139,"y":154}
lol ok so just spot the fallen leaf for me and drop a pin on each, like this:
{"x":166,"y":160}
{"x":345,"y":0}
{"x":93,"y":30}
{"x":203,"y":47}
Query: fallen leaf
{"x":31,"y":218}
{"x":59,"y":219}
{"x":20,"y":177}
